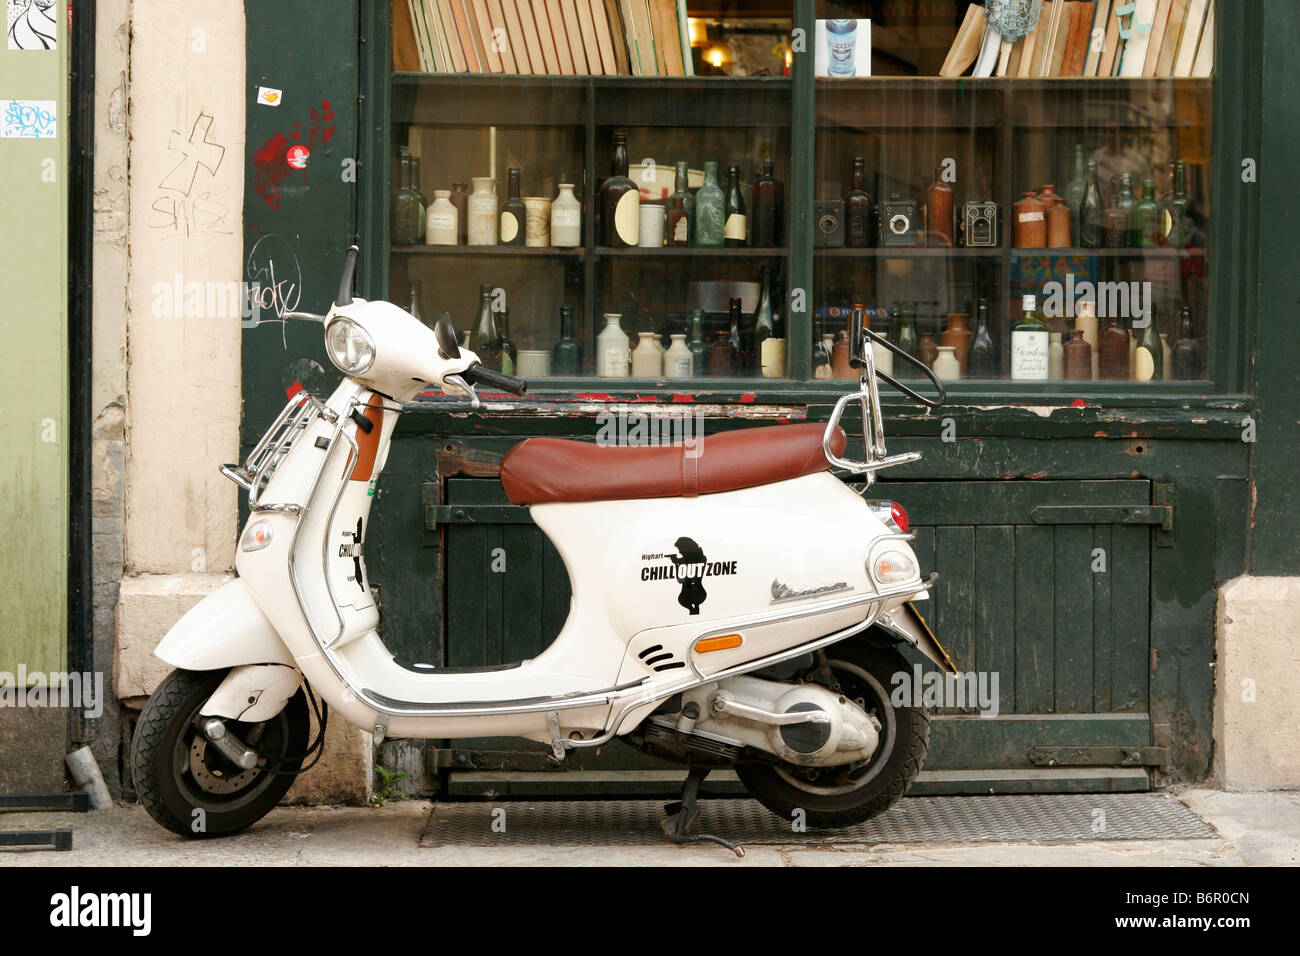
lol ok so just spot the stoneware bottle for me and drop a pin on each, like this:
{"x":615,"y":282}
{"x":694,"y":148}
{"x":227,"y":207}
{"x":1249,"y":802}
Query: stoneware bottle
{"x":946,"y":366}
{"x":612,"y":355}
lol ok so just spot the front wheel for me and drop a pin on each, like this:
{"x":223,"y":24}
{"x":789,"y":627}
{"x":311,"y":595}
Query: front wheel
{"x":834,"y":797}
{"x":186,"y":784}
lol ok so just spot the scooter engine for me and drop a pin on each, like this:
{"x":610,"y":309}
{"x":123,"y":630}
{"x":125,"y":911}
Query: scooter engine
{"x":802,"y":724}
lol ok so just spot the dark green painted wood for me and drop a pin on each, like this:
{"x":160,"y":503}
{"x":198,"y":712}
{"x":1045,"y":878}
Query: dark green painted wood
{"x":994,"y":622}
{"x":1072,"y":629}
{"x":968,"y":743}
{"x":1033,"y":570}
{"x":1129,"y":566}
{"x":1103,"y":633}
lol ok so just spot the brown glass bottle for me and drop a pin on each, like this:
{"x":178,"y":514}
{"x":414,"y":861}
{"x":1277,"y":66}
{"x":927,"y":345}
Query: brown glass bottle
{"x":619,"y":201}
{"x":859,"y":215}
{"x":720,"y":358}
{"x":460,"y":199}
{"x":1112,"y":348}
{"x":767,"y":209}
{"x":939,"y":214}
{"x":679,"y":224}
{"x":1078,"y":358}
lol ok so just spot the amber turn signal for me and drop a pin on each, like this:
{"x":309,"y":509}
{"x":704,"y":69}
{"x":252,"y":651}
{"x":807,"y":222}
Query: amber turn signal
{"x":724,"y":643}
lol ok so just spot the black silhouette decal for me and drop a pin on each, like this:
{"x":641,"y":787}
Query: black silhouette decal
{"x":690,"y":562}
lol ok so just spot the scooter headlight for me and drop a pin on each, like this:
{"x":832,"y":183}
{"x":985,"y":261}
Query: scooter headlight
{"x":349,"y":347}
{"x":893,"y":567}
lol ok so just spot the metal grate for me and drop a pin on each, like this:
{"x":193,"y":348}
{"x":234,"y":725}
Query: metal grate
{"x":1058,"y":818}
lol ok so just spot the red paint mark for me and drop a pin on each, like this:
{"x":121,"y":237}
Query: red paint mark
{"x":271,"y":160}
{"x":678,"y":397}
{"x":749,"y":398}
{"x":293,"y":389}
{"x":595,"y":397}
{"x":784,"y":421}
{"x":1078,"y":403}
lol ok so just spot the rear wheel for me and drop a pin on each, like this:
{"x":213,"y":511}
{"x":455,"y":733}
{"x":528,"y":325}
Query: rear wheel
{"x":833,"y":797}
{"x":186,"y":784}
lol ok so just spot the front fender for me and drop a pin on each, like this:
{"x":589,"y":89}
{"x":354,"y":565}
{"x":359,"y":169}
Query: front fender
{"x":904,"y":624}
{"x":225,"y":629}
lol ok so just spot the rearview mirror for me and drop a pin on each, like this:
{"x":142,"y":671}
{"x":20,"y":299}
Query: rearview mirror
{"x":448,"y":348}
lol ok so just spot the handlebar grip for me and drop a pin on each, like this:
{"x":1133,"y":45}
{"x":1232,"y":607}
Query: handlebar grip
{"x":855,"y":340}
{"x":481,"y":375}
{"x":345,"y":284}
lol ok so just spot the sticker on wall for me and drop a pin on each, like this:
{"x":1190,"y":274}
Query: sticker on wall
{"x":31,"y":24}
{"x":296,"y":156}
{"x":28,"y":119}
{"x":269,"y":97}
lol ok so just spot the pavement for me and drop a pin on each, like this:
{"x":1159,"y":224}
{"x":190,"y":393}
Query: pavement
{"x":1253,"y":829}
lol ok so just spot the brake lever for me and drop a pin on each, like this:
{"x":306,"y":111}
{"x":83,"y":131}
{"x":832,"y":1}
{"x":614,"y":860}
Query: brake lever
{"x":459,"y":380}
{"x":305,"y":316}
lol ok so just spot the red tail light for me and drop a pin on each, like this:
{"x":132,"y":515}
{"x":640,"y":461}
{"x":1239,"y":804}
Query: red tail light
{"x":899,"y":514}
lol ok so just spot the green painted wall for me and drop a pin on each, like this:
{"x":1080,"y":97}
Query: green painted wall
{"x":34,"y":423}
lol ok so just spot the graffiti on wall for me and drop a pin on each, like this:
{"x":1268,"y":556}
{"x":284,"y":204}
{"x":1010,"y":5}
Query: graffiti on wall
{"x":190,"y":199}
{"x":285,"y":154}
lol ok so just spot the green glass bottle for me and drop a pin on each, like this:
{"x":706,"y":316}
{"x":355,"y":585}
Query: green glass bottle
{"x":1145,"y":224}
{"x":1150,"y":344}
{"x":1092,"y":215}
{"x":710,"y":206}
{"x":1189,"y":356}
{"x":406,"y":227}
{"x":695,"y":342}
{"x":905,"y":337}
{"x":1179,"y":209}
{"x":417,"y":293}
{"x":509,"y":354}
{"x":1076,"y":189}
{"x":982,"y":360}
{"x":486,"y":343}
{"x":566,"y":356}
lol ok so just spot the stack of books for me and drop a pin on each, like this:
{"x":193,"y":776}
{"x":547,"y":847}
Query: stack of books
{"x":555,"y":37}
{"x":1095,"y":38}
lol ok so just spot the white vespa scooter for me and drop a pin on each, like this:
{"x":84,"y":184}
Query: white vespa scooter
{"x":734,"y":605}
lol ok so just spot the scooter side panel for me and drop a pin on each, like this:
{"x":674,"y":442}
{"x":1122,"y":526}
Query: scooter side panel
{"x":224,"y":629}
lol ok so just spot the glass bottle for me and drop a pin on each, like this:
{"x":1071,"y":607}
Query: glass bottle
{"x":682,"y":191}
{"x":938,"y":212}
{"x":1116,"y":222}
{"x":1189,"y":357}
{"x":767,"y":209}
{"x":487,"y":341}
{"x":1092,"y":224}
{"x":736,"y":228}
{"x":1145,"y":226}
{"x":821,"y":358}
{"x":566,"y":218}
{"x":460,"y":199}
{"x":1076,"y":188}
{"x":420,"y":198}
{"x":905,"y":337}
{"x":1029,"y":344}
{"x":566,"y":356}
{"x":613,"y":357}
{"x":1179,"y":210}
{"x":406,"y":225}
{"x":764,"y":322}
{"x":982,"y":360}
{"x":720,"y":359}
{"x":679,"y":223}
{"x":859,"y":215}
{"x":1078,"y":358}
{"x":1112,"y":350}
{"x":1127,"y":198}
{"x":513,"y":213}
{"x":619,"y":201}
{"x":696,"y":342}
{"x":1150,"y":358}
{"x":440,"y":227}
{"x":745,"y":360}
{"x":509,"y":354}
{"x":710,"y":207}
{"x":416,"y":295}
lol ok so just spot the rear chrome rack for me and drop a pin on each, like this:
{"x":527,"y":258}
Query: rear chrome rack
{"x":257,"y":470}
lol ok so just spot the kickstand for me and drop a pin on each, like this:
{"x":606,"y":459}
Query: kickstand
{"x":682,"y":815}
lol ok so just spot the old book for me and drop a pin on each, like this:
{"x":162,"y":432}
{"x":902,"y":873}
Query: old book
{"x":425,"y":38}
{"x":518,"y":41}
{"x":1060,"y":38}
{"x":1096,"y":35}
{"x":966,"y":44}
{"x":466,"y":36}
{"x":529,"y":29}
{"x":618,"y":35}
{"x":1013,"y":62}
{"x":1204,"y":64}
{"x":406,"y":53}
{"x":487,"y":45}
{"x":1029,"y":55}
{"x":1173,"y":33}
{"x":1191,"y":38}
{"x":604,"y":38}
{"x":569,"y":14}
{"x":587,"y":30}
{"x":442,"y":39}
{"x":1110,"y":46}
{"x":645,"y":32}
{"x":455,"y":55}
{"x":1157,"y":42}
{"x":684,"y":37}
{"x":501,"y":41}
{"x":640,"y":42}
{"x":1004,"y":57}
{"x":1076,"y":45}
{"x":667,"y":36}
{"x":550,"y":52}
{"x":555,"y":22}
{"x":1047,"y":38}
{"x":1135,"y":47}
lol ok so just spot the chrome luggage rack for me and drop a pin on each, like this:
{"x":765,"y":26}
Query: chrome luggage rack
{"x":868,"y":395}
{"x":256,"y":471}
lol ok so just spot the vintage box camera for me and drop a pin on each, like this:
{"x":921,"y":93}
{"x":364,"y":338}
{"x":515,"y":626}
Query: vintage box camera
{"x":980,"y":224}
{"x":898,"y":226}
{"x":828,"y":218}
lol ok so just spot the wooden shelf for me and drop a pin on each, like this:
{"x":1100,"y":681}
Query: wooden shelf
{"x":497,"y":252}
{"x":909,"y":252}
{"x":1161,"y":252}
{"x":691,"y":252}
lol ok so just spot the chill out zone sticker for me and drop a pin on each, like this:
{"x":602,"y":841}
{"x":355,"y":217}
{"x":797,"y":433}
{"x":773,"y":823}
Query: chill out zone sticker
{"x":688,"y":567}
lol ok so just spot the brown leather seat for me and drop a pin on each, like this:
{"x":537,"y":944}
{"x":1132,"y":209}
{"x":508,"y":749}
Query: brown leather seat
{"x":555,"y":469}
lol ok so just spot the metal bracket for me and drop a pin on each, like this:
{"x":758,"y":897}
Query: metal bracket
{"x":381,"y":729}
{"x":558,"y":749}
{"x":1099,"y":756}
{"x":1162,"y":515}
{"x":724,"y":703}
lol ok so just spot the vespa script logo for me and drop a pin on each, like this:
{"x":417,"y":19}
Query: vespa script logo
{"x":689,"y":567}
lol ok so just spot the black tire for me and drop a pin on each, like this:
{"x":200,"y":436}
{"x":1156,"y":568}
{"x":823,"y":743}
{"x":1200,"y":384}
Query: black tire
{"x":881,"y":781}
{"x":168,"y":748}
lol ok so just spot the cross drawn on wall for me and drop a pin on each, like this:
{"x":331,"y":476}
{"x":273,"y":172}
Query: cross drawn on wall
{"x":31,"y":24}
